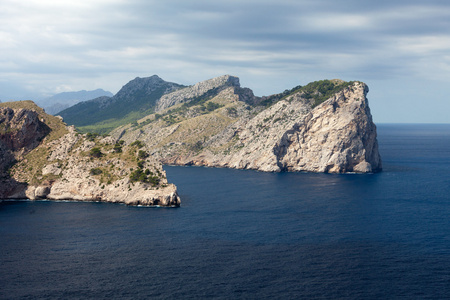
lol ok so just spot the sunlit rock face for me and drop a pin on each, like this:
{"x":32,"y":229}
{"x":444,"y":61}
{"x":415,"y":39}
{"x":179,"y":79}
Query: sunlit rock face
{"x":233,"y":128}
{"x":42,"y":158}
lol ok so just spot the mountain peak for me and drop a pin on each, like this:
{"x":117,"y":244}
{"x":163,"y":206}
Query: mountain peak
{"x":198,"y":89}
{"x":153,"y":78}
{"x":227,"y":80}
{"x":144,"y":85}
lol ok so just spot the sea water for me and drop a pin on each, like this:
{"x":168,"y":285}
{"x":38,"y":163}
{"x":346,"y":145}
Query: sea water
{"x":243,"y":234}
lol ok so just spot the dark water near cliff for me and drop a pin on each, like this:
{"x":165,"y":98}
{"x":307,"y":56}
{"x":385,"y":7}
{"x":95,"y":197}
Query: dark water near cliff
{"x":245,"y":234}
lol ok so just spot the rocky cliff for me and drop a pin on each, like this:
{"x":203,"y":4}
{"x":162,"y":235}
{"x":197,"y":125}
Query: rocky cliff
{"x":325,"y":126}
{"x":212,"y":86}
{"x":42,"y":158}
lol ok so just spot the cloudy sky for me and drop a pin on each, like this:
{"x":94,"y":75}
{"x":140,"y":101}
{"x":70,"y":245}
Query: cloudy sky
{"x":400,"y":48}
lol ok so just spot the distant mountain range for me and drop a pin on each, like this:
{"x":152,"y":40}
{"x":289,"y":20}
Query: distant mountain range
{"x":61,"y":101}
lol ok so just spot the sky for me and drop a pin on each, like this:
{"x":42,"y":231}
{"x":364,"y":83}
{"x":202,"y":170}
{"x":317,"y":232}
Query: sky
{"x":399,"y":48}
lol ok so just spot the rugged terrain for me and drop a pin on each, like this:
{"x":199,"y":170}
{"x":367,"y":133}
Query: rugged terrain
{"x":42,"y":158}
{"x":325,"y":126}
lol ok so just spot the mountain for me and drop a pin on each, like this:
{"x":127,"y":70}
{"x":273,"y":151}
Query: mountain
{"x":42,"y":158}
{"x":61,"y":101}
{"x":134,"y":100}
{"x":325,"y":126}
{"x":207,"y":88}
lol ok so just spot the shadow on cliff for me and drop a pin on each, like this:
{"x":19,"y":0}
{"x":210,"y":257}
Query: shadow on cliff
{"x":12,"y":189}
{"x":280,"y":149}
{"x":15,"y":144}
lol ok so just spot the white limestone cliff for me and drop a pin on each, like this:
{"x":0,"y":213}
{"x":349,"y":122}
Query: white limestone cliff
{"x":47,"y":160}
{"x":196,"y":90}
{"x":336,"y":136}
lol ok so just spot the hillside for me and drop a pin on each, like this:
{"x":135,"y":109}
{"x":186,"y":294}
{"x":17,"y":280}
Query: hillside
{"x":42,"y":158}
{"x":135,"y":100}
{"x":325,"y":126}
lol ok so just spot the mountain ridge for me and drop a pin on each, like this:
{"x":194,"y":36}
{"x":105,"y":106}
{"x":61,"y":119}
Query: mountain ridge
{"x":218,"y":123}
{"x":222,"y":130}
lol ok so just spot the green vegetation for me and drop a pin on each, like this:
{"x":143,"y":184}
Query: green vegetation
{"x":137,"y":144}
{"x":142,"y":154}
{"x":211,"y":106}
{"x":319,"y":91}
{"x":268,"y":101}
{"x":170,"y":119}
{"x":232,"y":111}
{"x":144,"y":176}
{"x":91,"y":136}
{"x":118,"y":146}
{"x":105,"y":127}
{"x":147,"y":176}
{"x":95,"y":152}
{"x":277,"y":119}
{"x":197,"y":147}
{"x":96,"y":171}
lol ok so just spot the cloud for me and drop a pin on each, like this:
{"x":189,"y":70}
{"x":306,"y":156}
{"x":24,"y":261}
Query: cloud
{"x":49,"y":45}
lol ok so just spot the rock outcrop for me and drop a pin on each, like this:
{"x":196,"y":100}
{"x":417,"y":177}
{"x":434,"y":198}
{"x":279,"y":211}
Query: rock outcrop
{"x":323,"y":127}
{"x":42,"y":158}
{"x":187,"y":94}
{"x":338,"y":136}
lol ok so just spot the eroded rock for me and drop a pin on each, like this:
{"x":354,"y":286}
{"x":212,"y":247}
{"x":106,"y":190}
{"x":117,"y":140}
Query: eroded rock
{"x":55,"y":162}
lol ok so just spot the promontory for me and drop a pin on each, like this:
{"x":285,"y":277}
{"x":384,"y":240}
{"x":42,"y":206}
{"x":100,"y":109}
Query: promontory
{"x":112,"y":148}
{"x":42,"y":158}
{"x":324,"y":126}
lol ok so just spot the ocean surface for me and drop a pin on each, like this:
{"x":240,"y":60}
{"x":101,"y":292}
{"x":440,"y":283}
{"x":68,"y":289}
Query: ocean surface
{"x":249,"y":235}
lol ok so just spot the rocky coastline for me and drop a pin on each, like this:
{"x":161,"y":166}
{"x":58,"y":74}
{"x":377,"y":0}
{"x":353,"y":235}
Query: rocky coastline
{"x":42,"y":158}
{"x":293,"y":134}
{"x":325,"y":126}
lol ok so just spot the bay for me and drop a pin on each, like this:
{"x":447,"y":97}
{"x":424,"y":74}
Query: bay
{"x":243,"y":234}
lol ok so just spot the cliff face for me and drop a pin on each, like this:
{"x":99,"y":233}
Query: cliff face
{"x":21,"y":129}
{"x":338,"y":136}
{"x":187,"y":94}
{"x":44,"y":159}
{"x":301,"y":130}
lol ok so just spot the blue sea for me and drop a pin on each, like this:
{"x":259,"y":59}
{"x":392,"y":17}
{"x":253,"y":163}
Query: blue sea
{"x":243,"y":234}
